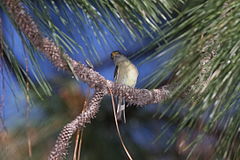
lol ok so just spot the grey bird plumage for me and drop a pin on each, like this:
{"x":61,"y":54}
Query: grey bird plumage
{"x":125,"y":73}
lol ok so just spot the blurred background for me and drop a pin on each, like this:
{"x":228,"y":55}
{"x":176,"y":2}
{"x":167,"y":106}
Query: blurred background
{"x":37,"y":100}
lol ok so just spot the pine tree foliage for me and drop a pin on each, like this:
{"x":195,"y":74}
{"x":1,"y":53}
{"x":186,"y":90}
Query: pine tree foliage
{"x":206,"y":71}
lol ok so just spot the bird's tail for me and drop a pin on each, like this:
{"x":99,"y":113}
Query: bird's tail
{"x":121,"y":109}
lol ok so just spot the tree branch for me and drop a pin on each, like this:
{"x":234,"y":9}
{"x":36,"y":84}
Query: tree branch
{"x":60,"y":149}
{"x":61,"y":60}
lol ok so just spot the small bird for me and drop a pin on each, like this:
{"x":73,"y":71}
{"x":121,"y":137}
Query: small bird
{"x":125,"y":73}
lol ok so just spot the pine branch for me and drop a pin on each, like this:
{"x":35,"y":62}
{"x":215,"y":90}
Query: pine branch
{"x":60,"y":149}
{"x":62,"y":61}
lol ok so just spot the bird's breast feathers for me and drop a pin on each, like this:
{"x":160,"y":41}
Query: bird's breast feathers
{"x":129,"y":76}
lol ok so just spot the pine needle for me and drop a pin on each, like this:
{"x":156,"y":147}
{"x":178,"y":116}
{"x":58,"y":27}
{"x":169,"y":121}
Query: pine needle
{"x":76,"y":145}
{"x":117,"y":127}
{"x":80,"y":145}
{"x":79,"y":136}
{"x":29,"y":144}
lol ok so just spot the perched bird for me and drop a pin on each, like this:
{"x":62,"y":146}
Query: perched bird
{"x":125,"y":73}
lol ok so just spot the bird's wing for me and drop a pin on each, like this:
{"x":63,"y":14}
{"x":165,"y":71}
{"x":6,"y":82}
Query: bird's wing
{"x":116,"y":73}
